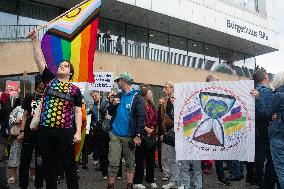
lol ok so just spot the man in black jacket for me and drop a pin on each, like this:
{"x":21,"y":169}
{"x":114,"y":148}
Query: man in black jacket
{"x":29,"y":138}
{"x":128,"y":121}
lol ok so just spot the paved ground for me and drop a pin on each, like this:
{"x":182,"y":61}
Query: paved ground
{"x":92,"y":179}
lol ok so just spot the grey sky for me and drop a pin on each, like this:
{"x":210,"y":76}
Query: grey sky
{"x":274,"y":62}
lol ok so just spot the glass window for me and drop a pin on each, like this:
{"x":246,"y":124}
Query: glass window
{"x":136,"y":42}
{"x":239,"y":62}
{"x":27,"y":83}
{"x":226,"y":56}
{"x":158,"y":40}
{"x":137,"y":34}
{"x":195,"y":53}
{"x":9,"y":6}
{"x":249,"y":65}
{"x":158,"y":46}
{"x":8,"y":29}
{"x":226,"y":60}
{"x":211,"y":57}
{"x":117,"y":33}
{"x":116,"y":28}
{"x":8,"y":19}
{"x":252,"y":5}
{"x":38,"y":11}
{"x":178,"y":50}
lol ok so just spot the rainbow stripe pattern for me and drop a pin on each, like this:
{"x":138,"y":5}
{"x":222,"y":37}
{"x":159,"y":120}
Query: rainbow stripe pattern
{"x":73,"y":38}
{"x":190,"y":122}
{"x":79,"y":146}
{"x":234,"y":122}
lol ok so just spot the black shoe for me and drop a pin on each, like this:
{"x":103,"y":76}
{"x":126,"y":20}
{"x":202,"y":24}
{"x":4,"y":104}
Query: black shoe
{"x":234,"y":178}
{"x":223,"y":182}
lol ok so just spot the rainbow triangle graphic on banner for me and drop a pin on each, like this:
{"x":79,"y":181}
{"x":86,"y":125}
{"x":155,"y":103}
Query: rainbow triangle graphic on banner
{"x":234,"y":122}
{"x":73,"y":38}
{"x":190,"y":122}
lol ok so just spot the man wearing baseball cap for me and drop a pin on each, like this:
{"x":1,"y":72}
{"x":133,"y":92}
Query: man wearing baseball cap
{"x":127,"y":123}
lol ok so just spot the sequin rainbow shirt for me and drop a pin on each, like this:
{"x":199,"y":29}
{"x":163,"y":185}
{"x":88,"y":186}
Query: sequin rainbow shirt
{"x":58,"y":105}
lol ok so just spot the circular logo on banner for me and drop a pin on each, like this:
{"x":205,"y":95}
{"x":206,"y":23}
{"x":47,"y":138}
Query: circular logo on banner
{"x":214,"y":119}
{"x":73,"y":13}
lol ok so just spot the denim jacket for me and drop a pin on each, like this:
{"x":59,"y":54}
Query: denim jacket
{"x":276,"y":127}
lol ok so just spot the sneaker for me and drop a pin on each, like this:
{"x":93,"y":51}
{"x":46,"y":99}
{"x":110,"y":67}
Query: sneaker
{"x":170,"y":185}
{"x":33,"y":178}
{"x":11,"y":180}
{"x":118,"y":178}
{"x":223,"y":182}
{"x":105,"y":178}
{"x":165,"y":178}
{"x":152,"y":185}
{"x":139,"y":186}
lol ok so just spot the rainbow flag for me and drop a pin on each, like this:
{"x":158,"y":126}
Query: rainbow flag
{"x":73,"y":38}
{"x":190,"y":121}
{"x":234,"y":122}
{"x":79,"y":146}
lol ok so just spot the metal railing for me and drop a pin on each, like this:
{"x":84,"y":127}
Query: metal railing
{"x":169,"y":57}
{"x":18,"y":33}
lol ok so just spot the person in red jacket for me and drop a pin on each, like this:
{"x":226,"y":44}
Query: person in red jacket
{"x":147,"y":149}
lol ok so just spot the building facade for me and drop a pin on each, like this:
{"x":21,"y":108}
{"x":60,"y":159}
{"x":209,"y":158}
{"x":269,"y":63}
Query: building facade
{"x":155,"y":40}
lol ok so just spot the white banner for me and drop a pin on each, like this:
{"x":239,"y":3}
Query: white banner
{"x":81,"y":86}
{"x":215,"y":121}
{"x":103,"y":82}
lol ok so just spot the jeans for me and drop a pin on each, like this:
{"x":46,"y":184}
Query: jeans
{"x":277,"y":152}
{"x":185,"y":174}
{"x":220,"y":169}
{"x":164,"y":158}
{"x":173,"y":165}
{"x":237,"y":168}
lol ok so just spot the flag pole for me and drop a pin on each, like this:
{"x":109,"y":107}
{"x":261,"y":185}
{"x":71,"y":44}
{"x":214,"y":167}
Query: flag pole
{"x":99,"y":105}
{"x":60,"y":16}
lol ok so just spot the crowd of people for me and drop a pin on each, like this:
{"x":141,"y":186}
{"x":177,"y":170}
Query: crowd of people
{"x":41,"y":130}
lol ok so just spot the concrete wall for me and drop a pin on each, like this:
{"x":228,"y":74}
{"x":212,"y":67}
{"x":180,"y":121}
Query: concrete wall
{"x":15,"y":58}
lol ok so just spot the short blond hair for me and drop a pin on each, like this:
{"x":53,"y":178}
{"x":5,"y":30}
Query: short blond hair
{"x":170,"y":84}
{"x":278,"y":80}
